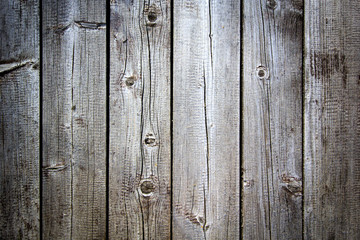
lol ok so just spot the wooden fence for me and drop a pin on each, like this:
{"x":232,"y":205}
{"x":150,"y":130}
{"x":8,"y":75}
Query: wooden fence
{"x":183,"y":119}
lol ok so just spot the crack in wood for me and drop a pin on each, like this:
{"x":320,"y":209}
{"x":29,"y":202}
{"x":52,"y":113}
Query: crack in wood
{"x":8,"y":67}
{"x":90,"y":25}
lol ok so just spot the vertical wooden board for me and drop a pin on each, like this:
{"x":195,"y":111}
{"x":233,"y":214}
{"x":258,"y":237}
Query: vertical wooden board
{"x":206,"y":125}
{"x":74,"y":119}
{"x":332,"y":120}
{"x":140,"y":160}
{"x":272,"y":118}
{"x":19,"y":120}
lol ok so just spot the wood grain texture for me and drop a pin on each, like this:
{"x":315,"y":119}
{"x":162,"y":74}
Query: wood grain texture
{"x":332,"y":120}
{"x":206,"y":104}
{"x":74,"y":119}
{"x":140,"y":160}
{"x":19,"y":120}
{"x":272,"y":118}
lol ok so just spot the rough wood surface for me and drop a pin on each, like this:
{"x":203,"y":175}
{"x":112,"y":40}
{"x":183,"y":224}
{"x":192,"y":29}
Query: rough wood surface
{"x":19,"y":119}
{"x":74,"y":119}
{"x":140,"y":160}
{"x":272,"y":117}
{"x":206,"y":165}
{"x":280,"y":140}
{"x":332,"y":120}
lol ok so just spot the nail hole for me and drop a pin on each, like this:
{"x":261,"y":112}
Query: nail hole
{"x":130,"y":81}
{"x":248,"y":183}
{"x":262,"y":72}
{"x":152,"y":16}
{"x":147,"y":187}
{"x":150,"y":139}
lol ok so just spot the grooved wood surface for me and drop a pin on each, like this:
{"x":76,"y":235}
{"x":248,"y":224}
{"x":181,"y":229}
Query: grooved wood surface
{"x":140,"y":160}
{"x":272,"y":119}
{"x":179,"y":119}
{"x":332,"y":120}
{"x":19,"y":120}
{"x":206,"y":120}
{"x":74,"y":119}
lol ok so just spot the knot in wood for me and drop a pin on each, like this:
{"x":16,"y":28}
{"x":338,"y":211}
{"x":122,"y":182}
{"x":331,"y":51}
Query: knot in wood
{"x":272,"y":4}
{"x":293,"y":185}
{"x":262,"y":72}
{"x":150,"y":140}
{"x":147,"y":187}
{"x":130,"y":81}
{"x":152,"y":16}
{"x":152,"y":12}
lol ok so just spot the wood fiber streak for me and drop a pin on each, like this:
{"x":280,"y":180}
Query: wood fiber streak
{"x":19,"y":120}
{"x":206,"y":125}
{"x":332,"y":120}
{"x":140,"y":143}
{"x":272,"y":119}
{"x":74,"y":119}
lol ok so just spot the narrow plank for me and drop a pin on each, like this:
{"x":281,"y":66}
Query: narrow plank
{"x":140,"y":160}
{"x":74,"y":119}
{"x":19,"y":120}
{"x":332,"y":120}
{"x":272,"y":118}
{"x":206,"y":104}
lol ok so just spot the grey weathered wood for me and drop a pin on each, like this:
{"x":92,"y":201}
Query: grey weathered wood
{"x":74,"y":119}
{"x":272,"y":118}
{"x":19,"y":120}
{"x":332,"y":120}
{"x":206,"y":165}
{"x":140,"y":160}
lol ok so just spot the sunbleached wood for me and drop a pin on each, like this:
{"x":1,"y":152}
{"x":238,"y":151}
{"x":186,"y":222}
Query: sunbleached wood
{"x":19,"y":120}
{"x":74,"y":119}
{"x":272,"y":117}
{"x":332,"y":120}
{"x":206,"y":126}
{"x":140,"y":160}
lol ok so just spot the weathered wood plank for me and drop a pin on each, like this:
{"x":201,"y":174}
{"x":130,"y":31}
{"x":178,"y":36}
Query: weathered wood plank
{"x":332,"y":120}
{"x":19,"y":120}
{"x":272,"y":118}
{"x":206,"y":104}
{"x":74,"y":119}
{"x":140,"y":160}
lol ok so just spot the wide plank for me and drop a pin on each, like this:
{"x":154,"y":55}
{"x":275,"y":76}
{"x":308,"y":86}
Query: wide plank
{"x":332,"y":120}
{"x":272,"y":119}
{"x":74,"y":119}
{"x":140,"y":140}
{"x":19,"y":120}
{"x":206,"y":120}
